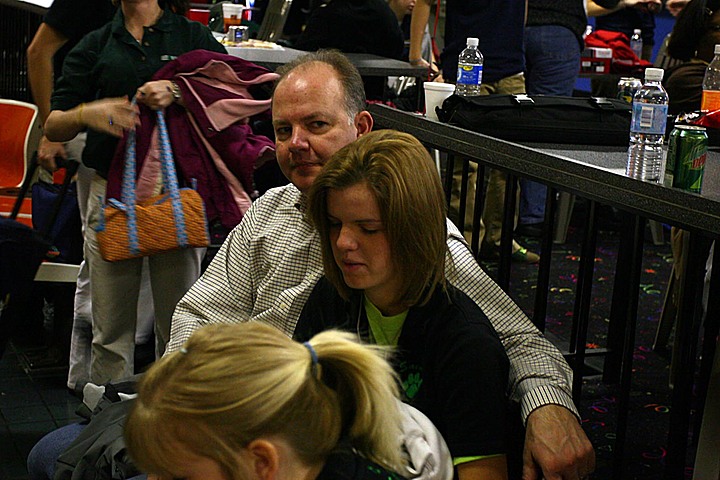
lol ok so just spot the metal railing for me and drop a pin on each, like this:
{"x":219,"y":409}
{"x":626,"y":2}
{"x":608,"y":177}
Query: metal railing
{"x":588,"y":176}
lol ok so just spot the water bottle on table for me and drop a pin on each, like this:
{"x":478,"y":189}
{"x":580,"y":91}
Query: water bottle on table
{"x":647,"y":129}
{"x":470,"y":67}
{"x":636,"y":42}
{"x":711,"y":84}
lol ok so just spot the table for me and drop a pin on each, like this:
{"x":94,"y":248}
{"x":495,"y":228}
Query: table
{"x":367,"y":64}
{"x":34,"y":6}
{"x":596,"y":173}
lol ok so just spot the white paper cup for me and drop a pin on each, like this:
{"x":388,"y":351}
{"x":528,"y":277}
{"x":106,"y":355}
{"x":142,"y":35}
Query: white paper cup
{"x":232,"y":14}
{"x":435,"y":94}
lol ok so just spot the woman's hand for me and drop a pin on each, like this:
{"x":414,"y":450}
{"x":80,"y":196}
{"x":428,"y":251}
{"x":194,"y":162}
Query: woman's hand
{"x":48,"y":151}
{"x":647,"y":6}
{"x":157,"y":94}
{"x":110,"y":115}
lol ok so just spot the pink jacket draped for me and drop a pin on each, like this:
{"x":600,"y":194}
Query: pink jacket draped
{"x":213,"y":144}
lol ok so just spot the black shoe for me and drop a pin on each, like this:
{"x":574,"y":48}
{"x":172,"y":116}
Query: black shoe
{"x":530,"y":229}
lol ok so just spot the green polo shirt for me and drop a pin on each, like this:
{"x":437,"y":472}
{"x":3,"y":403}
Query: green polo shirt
{"x":109,"y":62}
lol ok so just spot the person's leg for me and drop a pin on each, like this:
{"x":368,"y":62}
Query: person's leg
{"x":41,"y":459}
{"x":552,"y":62}
{"x":146,"y":309}
{"x":115,"y":287}
{"x":171,"y":276}
{"x":495,"y":194}
{"x":465,"y":225}
{"x":81,"y":337}
{"x":552,"y":58}
{"x":494,"y":207}
{"x":454,"y":210}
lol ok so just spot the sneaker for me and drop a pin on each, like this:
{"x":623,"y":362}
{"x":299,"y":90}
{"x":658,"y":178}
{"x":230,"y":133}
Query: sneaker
{"x":523,"y":255}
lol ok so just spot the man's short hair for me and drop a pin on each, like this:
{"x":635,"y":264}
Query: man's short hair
{"x":354,"y":89}
{"x":402,"y":178}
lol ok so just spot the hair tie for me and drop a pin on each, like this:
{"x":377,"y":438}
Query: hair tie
{"x":313,"y":357}
{"x":183,"y":350}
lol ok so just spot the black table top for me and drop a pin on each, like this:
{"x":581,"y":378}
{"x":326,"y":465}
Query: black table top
{"x":367,"y":64}
{"x":590,"y":171}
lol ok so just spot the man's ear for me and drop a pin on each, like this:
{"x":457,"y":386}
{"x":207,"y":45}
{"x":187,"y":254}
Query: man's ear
{"x":265,"y":459}
{"x":363,"y":123}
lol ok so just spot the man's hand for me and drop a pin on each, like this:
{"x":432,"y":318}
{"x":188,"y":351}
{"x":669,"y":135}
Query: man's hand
{"x":48,"y":151}
{"x":556,"y":445}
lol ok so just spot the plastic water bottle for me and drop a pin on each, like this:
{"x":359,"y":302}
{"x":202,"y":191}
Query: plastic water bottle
{"x":711,"y":84}
{"x":636,"y":42}
{"x":470,"y":67}
{"x":647,"y":129}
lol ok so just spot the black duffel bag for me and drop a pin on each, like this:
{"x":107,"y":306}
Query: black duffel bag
{"x":22,"y":250}
{"x":541,"y":118}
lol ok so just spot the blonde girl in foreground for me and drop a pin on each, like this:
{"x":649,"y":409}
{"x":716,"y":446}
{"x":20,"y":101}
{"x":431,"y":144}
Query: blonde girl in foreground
{"x":245,"y":402}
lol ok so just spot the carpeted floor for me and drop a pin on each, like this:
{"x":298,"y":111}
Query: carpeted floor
{"x":650,"y":394}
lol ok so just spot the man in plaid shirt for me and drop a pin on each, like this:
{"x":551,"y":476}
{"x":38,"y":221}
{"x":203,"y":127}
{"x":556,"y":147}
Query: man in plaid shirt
{"x":269,"y":264}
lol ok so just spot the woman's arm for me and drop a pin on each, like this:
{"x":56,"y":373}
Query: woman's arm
{"x":604,"y":8}
{"x":46,"y":42}
{"x":109,"y":115}
{"x":418,"y":21}
{"x":491,"y":468}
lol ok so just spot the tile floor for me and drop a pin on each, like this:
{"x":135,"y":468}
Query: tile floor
{"x":31,"y":405}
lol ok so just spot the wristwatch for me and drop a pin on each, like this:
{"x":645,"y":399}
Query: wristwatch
{"x":175,"y":90}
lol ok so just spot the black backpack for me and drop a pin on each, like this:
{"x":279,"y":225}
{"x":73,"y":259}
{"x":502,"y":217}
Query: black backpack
{"x":541,"y":118}
{"x":99,"y":452}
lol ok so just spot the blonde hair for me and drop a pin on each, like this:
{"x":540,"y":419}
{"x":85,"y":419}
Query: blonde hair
{"x":232,"y":384}
{"x":401,"y":175}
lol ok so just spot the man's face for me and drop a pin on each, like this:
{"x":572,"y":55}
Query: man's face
{"x":311,"y":122}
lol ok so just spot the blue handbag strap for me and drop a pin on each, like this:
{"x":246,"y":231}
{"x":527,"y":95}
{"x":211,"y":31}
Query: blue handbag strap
{"x":170,"y":183}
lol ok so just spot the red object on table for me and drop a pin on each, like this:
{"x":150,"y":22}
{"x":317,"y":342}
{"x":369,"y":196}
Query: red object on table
{"x":199,"y":15}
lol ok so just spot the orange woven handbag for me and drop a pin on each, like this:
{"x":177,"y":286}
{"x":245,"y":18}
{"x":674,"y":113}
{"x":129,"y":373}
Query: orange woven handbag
{"x":169,"y":221}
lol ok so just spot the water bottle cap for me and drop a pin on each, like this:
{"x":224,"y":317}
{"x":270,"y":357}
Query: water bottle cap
{"x":637,"y":31}
{"x":717,"y":49}
{"x":472,"y":42}
{"x":654,"y":74}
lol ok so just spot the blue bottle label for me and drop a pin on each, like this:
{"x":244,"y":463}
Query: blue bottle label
{"x":469,"y":74}
{"x":649,"y":118}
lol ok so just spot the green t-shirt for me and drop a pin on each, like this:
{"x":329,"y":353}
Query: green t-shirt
{"x":384,"y":330}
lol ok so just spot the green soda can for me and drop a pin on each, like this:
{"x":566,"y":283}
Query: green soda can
{"x":687,"y":150}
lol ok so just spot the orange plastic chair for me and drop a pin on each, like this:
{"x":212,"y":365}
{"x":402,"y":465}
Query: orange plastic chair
{"x":19,"y":137}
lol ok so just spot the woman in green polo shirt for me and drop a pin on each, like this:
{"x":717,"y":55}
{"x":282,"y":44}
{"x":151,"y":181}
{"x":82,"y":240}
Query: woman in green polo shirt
{"x":104,"y":70}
